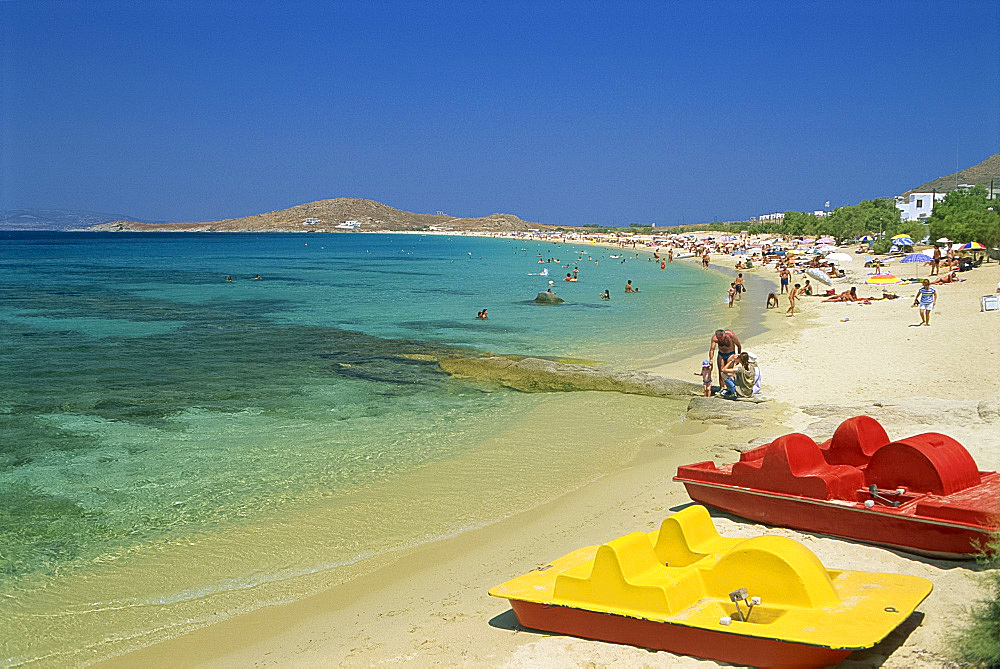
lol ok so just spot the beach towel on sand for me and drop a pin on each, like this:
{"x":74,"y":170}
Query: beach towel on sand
{"x":747,"y":380}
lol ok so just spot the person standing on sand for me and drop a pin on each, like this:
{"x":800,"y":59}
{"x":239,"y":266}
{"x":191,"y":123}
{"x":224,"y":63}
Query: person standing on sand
{"x":784,"y":275}
{"x":706,"y":376}
{"x":925,"y":298}
{"x":728,"y":343}
{"x":936,"y":261}
{"x":793,"y":294}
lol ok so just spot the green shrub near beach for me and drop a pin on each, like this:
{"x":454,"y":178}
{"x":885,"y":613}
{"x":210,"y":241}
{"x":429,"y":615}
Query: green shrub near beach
{"x":979,"y":642}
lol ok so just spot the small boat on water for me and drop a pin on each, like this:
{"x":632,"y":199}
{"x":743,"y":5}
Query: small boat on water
{"x":923,"y":494}
{"x":765,"y":601}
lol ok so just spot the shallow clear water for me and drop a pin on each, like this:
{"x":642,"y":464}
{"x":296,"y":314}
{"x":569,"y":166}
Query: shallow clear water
{"x":177,"y":448}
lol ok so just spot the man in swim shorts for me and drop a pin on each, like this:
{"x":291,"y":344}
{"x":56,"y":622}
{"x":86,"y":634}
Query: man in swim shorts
{"x":729,"y":345}
{"x":784,"y":274}
{"x":739,"y":287}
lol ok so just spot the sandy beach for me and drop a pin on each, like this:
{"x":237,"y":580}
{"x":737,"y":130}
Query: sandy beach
{"x":429,"y":605}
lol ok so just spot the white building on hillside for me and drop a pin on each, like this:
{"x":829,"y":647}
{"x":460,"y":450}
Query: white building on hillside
{"x":917,"y":206}
{"x":776,"y":216}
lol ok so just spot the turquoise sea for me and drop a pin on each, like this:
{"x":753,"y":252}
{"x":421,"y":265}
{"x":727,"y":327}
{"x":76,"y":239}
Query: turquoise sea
{"x":176,"y":449}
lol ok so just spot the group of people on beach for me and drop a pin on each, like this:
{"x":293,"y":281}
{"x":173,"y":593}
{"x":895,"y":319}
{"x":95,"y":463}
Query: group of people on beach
{"x":739,"y":375}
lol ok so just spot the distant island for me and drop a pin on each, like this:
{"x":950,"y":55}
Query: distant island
{"x":343,"y":214}
{"x":57,"y":220}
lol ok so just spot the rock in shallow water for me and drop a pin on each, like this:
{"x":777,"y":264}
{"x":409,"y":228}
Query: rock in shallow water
{"x":546,"y":297}
{"x":722,"y":412}
{"x":537,"y":375}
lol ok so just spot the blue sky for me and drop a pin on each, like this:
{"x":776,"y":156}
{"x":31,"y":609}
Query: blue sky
{"x":563,"y":113}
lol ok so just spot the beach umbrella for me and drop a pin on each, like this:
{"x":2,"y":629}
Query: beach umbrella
{"x":884,"y":280}
{"x":866,"y":238}
{"x":902,"y":240}
{"x":840,"y":257}
{"x":944,"y":240}
{"x":900,"y":236}
{"x":972,"y":246}
{"x":916,"y":257}
{"x":819,"y":275}
{"x":826,"y":240}
{"x":825,"y":248}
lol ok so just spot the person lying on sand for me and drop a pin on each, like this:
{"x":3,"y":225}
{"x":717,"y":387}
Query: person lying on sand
{"x":947,"y":278}
{"x":846,"y":296}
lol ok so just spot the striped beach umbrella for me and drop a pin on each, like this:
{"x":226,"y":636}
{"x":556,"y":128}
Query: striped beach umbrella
{"x":866,"y":238}
{"x":972,"y":246}
{"x":884,"y":280}
{"x":916,"y":257}
{"x":900,"y":236}
{"x":902,"y":240}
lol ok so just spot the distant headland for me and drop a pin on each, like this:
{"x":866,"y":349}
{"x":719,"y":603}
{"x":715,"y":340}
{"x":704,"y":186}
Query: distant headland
{"x":343,"y":214}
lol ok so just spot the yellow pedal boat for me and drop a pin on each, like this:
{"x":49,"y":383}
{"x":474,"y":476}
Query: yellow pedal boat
{"x":766,"y":601}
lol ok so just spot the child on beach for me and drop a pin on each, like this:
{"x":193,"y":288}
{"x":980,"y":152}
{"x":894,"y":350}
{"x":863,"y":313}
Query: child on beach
{"x":792,"y":296}
{"x":925,"y":298}
{"x":732,"y":294}
{"x":706,"y":376}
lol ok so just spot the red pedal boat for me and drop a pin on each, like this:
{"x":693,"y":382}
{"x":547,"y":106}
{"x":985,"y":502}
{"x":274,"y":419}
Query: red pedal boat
{"x":923,"y":494}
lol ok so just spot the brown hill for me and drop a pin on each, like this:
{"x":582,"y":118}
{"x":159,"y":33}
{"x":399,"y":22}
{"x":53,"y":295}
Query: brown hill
{"x":326,"y":215}
{"x":981,"y":175}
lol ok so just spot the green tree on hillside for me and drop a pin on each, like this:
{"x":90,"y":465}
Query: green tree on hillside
{"x":967,"y":216}
{"x":799,"y":223}
{"x":878,"y":216}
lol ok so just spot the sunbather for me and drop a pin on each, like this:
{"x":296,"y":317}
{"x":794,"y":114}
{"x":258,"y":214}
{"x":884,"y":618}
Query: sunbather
{"x":951,"y":277}
{"x":846,"y":296}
